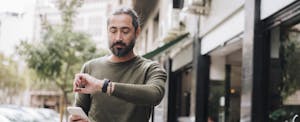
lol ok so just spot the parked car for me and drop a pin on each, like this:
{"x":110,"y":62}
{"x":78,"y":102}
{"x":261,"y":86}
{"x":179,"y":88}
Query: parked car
{"x":13,"y":113}
{"x":49,"y":115}
{"x":4,"y":119}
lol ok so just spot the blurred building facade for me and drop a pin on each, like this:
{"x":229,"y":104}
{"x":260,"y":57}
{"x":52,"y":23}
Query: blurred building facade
{"x":226,"y":61}
{"x":9,"y":37}
{"x":45,"y":99}
{"x":90,"y":18}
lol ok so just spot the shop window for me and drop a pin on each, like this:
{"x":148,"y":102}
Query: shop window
{"x":285,"y":73}
{"x":178,"y":4}
{"x":290,"y":56}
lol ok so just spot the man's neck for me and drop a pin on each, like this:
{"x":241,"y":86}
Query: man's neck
{"x":127,"y":57}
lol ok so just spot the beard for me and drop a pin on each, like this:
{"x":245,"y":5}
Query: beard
{"x":123,"y":50}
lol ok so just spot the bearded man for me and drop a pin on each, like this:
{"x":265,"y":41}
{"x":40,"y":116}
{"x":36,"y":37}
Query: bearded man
{"x":121,"y":87}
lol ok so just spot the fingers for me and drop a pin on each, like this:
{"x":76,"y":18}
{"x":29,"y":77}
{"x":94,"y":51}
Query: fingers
{"x":81,"y":90}
{"x":82,"y":79}
{"x":81,"y":82}
{"x":75,"y":84}
{"x":84,"y":83}
{"x":78,"y":81}
{"x":76,"y":118}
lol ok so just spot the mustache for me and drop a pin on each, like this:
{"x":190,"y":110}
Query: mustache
{"x":118,"y":43}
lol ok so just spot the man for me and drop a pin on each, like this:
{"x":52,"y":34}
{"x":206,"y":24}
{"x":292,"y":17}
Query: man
{"x":122,"y":87}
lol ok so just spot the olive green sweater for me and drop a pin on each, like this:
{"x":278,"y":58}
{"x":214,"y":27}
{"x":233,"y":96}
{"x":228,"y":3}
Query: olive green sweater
{"x":139,"y":85}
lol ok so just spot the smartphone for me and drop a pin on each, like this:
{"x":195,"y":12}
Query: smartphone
{"x":77,"y":111}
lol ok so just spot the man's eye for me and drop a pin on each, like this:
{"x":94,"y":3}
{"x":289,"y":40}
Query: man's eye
{"x":125,"y":31}
{"x":113,"y":30}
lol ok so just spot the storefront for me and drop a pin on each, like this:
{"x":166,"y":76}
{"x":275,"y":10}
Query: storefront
{"x":246,"y":65}
{"x":218,"y":62}
{"x":270,"y":50}
{"x":282,"y":31}
{"x":243,"y":66}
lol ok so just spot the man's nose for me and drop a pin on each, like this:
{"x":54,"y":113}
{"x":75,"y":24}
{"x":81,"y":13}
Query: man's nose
{"x":119,"y":36}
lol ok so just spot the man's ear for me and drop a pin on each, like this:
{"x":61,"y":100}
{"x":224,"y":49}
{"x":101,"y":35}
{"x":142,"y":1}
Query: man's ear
{"x":138,"y":31}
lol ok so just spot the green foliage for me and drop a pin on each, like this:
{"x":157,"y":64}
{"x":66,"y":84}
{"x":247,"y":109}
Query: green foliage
{"x":278,"y":114}
{"x":61,"y":52}
{"x":291,"y":63}
{"x":9,"y":74}
{"x":11,"y":82}
{"x":57,"y":53}
{"x":284,"y":114}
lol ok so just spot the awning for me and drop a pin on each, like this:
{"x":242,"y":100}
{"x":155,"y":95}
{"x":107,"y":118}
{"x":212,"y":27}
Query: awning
{"x":165,"y":46}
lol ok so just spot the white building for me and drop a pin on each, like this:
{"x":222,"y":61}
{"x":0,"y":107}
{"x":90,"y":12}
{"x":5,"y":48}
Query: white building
{"x":16,"y":23}
{"x":234,"y":50}
{"x":90,"y":18}
{"x":14,"y":27}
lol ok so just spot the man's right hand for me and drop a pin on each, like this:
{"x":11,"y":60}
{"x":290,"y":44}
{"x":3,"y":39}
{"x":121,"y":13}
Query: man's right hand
{"x":76,"y":118}
{"x":90,"y":83}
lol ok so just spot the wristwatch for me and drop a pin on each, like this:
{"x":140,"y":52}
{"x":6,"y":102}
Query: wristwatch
{"x":105,"y":85}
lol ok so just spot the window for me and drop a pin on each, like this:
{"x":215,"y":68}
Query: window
{"x":284,"y":85}
{"x":178,"y":4}
{"x":0,"y":28}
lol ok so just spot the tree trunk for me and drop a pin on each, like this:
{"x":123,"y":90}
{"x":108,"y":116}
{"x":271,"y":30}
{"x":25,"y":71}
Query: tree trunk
{"x":65,"y":104}
{"x":64,"y":99}
{"x":61,"y":108}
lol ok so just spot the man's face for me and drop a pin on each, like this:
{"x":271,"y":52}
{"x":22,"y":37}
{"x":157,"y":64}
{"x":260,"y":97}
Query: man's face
{"x":121,"y":34}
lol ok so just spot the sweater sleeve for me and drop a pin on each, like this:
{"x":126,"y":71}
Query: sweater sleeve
{"x":83,"y":100}
{"x":150,"y":93}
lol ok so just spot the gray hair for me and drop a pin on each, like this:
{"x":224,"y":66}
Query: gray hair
{"x":125,"y":10}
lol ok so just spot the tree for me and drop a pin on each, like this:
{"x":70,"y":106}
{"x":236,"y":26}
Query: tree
{"x":61,"y":52}
{"x":290,"y":51}
{"x":11,"y":83}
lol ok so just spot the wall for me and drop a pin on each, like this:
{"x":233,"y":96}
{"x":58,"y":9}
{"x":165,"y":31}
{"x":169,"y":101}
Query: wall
{"x":224,"y":22}
{"x":165,"y":15}
{"x":219,"y":11}
{"x":184,"y":57}
{"x":268,"y":7}
{"x":217,"y":68}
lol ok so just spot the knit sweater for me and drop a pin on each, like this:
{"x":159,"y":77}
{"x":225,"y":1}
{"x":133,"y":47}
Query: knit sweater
{"x":139,"y":85}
